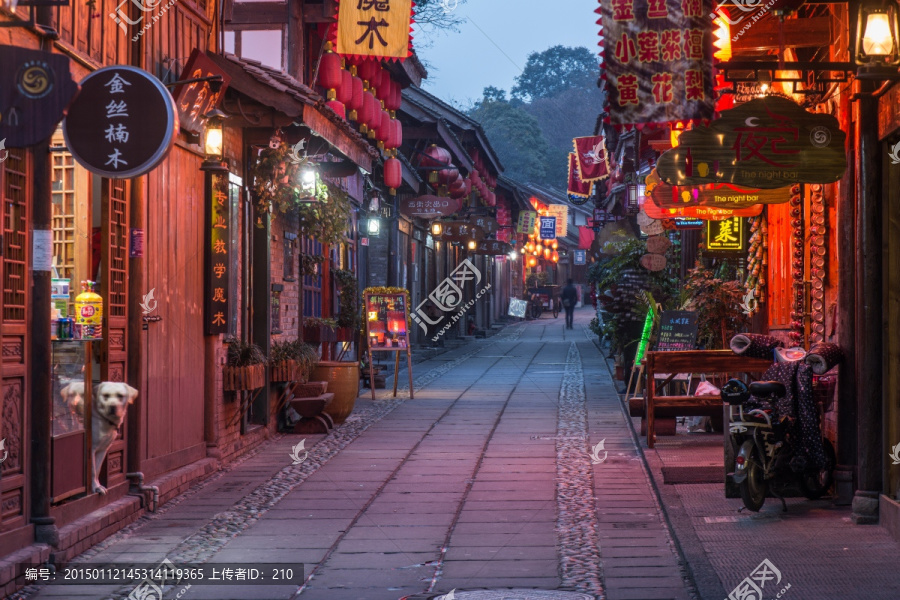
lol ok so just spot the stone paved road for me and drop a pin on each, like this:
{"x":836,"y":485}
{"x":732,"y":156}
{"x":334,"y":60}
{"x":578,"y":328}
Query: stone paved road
{"x":484,"y":480}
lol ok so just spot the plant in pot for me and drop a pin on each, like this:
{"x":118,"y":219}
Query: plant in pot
{"x":348,"y":320}
{"x":317,"y":331}
{"x":245,"y":366}
{"x":292,"y":361}
{"x":717,"y":302}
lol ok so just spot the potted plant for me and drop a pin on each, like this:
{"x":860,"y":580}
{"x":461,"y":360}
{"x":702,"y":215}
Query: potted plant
{"x":317,"y":331}
{"x":291,"y":361}
{"x":245,"y":366}
{"x":717,"y":302}
{"x":348,"y":320}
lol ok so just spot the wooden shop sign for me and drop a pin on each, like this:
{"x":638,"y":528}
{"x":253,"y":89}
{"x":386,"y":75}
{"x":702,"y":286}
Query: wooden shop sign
{"x":461,"y":231}
{"x":122,"y":124}
{"x":429,"y":207}
{"x":707,"y":213}
{"x":35,"y":89}
{"x":492,"y":248}
{"x":726,"y":236}
{"x":487,"y":223}
{"x":766,"y":143}
{"x":195,"y":99}
{"x":722,"y":195}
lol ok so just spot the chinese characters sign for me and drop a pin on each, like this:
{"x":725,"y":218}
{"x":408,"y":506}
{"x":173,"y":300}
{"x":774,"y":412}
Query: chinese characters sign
{"x":218,"y":256}
{"x":122,"y":124}
{"x":548,"y":228}
{"x":767,"y":143}
{"x":374,"y":28}
{"x":726,"y":235}
{"x":35,"y":88}
{"x":196,"y":99}
{"x":561,"y":212}
{"x":386,"y":319}
{"x":429,"y":207}
{"x":461,"y":231}
{"x":526,"y":222}
{"x":492,"y":248}
{"x":677,"y":330}
{"x":658,"y":59}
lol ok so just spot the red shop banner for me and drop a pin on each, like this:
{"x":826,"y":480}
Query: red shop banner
{"x":707,"y":213}
{"x":657,"y":56}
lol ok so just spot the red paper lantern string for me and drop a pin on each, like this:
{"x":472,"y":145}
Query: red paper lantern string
{"x":393,"y":175}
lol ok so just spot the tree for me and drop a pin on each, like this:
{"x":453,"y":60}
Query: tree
{"x":555,"y":70}
{"x":515,"y":135}
{"x":439,"y":14}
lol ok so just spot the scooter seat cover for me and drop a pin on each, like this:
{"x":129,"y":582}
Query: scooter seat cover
{"x":767,"y":388}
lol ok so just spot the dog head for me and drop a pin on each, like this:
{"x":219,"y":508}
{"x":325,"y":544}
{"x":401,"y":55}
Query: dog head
{"x":111,"y":400}
{"x":73,"y":396}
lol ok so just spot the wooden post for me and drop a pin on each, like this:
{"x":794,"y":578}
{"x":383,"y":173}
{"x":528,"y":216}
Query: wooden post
{"x":649,"y":406}
{"x":41,"y":384}
{"x":371,"y":375}
{"x":396,"y":370}
{"x":409,"y":370}
{"x":136,"y":336}
{"x":869,"y":326}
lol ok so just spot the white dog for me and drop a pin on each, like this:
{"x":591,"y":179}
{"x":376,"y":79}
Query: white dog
{"x":109,"y":406}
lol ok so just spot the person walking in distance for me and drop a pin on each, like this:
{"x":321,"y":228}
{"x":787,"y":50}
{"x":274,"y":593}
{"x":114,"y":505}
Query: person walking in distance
{"x":569,"y":298}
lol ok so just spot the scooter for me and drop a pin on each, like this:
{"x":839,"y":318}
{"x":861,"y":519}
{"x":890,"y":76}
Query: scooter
{"x":765,"y":459}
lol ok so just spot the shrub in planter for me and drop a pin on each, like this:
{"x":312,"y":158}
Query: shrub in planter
{"x":317,"y":330}
{"x":245,"y":366}
{"x":291,"y":361}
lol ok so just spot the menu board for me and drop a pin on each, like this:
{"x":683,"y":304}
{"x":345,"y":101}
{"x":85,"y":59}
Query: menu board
{"x":677,"y":330}
{"x":386,"y":321}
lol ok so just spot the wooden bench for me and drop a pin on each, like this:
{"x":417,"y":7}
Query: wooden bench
{"x":690,"y":361}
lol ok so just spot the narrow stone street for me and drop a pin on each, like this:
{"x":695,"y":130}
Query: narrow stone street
{"x":485,"y":480}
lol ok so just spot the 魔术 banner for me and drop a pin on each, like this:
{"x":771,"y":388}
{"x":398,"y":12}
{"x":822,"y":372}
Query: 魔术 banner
{"x":375,"y":28}
{"x":657,"y":57}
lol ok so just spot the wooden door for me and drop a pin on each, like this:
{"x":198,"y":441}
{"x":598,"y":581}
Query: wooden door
{"x":172,"y":410}
{"x":15,"y":192}
{"x":114,"y":290}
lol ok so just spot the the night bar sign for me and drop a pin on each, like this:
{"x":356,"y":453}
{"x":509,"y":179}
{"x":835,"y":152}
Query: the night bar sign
{"x":218,"y":257}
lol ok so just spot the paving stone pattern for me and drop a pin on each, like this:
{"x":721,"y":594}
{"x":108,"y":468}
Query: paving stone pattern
{"x":484,"y":481}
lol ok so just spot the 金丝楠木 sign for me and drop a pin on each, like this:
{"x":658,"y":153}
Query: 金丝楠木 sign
{"x":374,"y":28}
{"x":766,"y":143}
{"x":122,"y":123}
{"x":658,"y":59}
{"x":35,"y":88}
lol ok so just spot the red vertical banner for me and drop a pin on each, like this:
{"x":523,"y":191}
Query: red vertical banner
{"x":657,"y":58}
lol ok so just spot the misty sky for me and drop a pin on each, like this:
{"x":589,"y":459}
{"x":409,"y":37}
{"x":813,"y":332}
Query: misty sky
{"x":496,"y":39}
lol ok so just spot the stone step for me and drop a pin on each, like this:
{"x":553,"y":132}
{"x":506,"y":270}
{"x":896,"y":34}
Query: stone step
{"x":318,"y":424}
{"x":310,"y":389}
{"x":311,"y":407}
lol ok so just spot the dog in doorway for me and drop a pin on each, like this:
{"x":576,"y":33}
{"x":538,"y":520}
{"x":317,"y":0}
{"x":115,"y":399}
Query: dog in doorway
{"x":109,"y":406}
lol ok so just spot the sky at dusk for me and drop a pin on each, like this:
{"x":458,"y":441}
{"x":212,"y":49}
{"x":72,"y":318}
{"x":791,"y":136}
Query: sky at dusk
{"x":495,"y":40}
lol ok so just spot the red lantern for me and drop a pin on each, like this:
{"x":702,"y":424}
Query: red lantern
{"x":392,"y":99}
{"x":330,"y":72}
{"x":382,"y":79}
{"x":337,"y":107}
{"x":435,"y":156}
{"x":393,"y":176}
{"x":368,"y":70}
{"x":345,"y":91}
{"x":356,"y":102}
{"x":448,"y":176}
{"x":367,"y":114}
{"x":395,"y":135}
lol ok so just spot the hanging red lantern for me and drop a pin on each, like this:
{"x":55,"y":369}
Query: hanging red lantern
{"x":547,"y":254}
{"x":392,"y":95}
{"x":337,"y":107}
{"x":397,"y":133}
{"x":356,"y":102}
{"x":381,"y":83}
{"x":393,"y":175}
{"x":330,"y":71}
{"x":368,"y":69}
{"x":448,"y":176}
{"x":383,"y":129}
{"x":555,"y":256}
{"x":435,"y":156}
{"x":367,"y":114}
{"x":458,"y":184}
{"x":345,"y":91}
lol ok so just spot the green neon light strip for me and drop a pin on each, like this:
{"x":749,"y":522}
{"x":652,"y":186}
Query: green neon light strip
{"x":645,"y":337}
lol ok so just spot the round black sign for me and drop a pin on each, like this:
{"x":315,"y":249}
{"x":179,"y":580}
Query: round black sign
{"x":122,"y":123}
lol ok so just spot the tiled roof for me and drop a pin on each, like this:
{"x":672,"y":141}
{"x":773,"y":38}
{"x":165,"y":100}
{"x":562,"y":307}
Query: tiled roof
{"x":283,"y":83}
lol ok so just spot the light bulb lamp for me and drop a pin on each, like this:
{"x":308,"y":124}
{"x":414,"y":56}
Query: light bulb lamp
{"x":214,"y":141}
{"x":877,"y":40}
{"x":374,"y":226}
{"x":307,"y":177}
{"x":472,"y":244}
{"x":437,"y":229}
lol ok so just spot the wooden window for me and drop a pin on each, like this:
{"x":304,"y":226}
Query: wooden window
{"x":16,"y":191}
{"x":312,"y":284}
{"x":117,"y":270}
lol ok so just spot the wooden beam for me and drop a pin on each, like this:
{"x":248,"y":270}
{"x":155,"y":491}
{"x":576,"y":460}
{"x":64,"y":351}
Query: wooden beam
{"x":765,"y":34}
{"x":255,"y":13}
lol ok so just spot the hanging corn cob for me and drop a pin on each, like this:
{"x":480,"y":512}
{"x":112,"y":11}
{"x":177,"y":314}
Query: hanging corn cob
{"x":757,"y":260}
